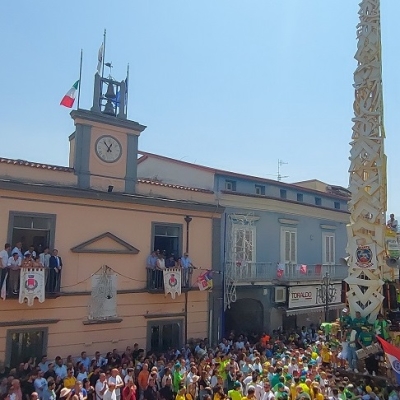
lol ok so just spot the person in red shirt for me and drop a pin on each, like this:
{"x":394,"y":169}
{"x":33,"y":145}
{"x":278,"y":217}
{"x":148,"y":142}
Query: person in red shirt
{"x":129,"y":391}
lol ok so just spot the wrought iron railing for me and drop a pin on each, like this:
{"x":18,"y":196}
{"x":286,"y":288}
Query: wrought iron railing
{"x":155,"y":279}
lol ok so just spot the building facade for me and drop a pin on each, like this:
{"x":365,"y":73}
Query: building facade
{"x":278,"y":243}
{"x":104,"y":222}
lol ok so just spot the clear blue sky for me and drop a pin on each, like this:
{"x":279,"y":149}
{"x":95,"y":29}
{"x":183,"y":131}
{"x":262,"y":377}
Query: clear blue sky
{"x":234,"y":84}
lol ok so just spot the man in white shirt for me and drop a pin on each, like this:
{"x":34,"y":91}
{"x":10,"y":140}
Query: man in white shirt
{"x":117,"y":381}
{"x":14,"y":265}
{"x":18,"y":249}
{"x":110,"y":393}
{"x":4,"y":256}
{"x":101,"y":386}
{"x":392,"y":223}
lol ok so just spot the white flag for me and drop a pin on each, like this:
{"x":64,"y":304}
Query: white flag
{"x":100,"y":58}
{"x":3,"y":291}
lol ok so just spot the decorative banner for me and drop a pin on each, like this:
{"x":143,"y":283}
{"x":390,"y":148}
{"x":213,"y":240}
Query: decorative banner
{"x":103,"y":302}
{"x":172,"y":281}
{"x":205,"y":281}
{"x":32,"y":284}
{"x":280,"y":270}
{"x":303,"y":269}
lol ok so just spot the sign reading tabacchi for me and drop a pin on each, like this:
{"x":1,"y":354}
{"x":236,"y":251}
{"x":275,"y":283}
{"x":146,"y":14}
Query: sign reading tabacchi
{"x":307,"y":296}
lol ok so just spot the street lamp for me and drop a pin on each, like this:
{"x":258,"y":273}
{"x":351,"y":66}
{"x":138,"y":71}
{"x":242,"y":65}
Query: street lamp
{"x":326,"y":293}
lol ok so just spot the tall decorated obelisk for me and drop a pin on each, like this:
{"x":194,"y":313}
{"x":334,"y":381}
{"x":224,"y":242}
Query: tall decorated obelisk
{"x":366,"y":231}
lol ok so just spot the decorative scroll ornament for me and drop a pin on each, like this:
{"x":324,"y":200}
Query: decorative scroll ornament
{"x":103,"y":300}
{"x":172,"y":281}
{"x":366,"y":231}
{"x":32,"y":285}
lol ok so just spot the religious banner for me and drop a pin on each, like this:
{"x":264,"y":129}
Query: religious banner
{"x":205,"y":281}
{"x":32,"y":285}
{"x":103,"y":301}
{"x":172,"y":281}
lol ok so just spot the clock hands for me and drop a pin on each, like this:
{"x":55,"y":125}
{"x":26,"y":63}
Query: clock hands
{"x":108,"y":146}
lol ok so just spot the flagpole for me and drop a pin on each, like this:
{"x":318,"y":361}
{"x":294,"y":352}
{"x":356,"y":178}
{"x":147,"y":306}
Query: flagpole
{"x":80,"y":79}
{"x":127,"y":89}
{"x":104,"y":52}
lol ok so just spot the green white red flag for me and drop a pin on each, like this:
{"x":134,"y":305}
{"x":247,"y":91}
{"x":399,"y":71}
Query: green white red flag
{"x":69,"y":99}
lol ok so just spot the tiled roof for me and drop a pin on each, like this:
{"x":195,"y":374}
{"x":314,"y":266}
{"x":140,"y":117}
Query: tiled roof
{"x":35,"y":165}
{"x":172,"y":186}
{"x":49,"y":167}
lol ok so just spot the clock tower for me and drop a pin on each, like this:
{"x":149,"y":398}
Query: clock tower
{"x":104,"y":146}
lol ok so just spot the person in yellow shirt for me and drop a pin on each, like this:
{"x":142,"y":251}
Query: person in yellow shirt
{"x":251,"y":394}
{"x":69,"y":380}
{"x":182,"y":395}
{"x":235,"y":393}
{"x":326,"y":356}
{"x":304,"y":385}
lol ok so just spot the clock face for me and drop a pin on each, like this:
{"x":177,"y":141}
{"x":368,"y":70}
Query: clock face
{"x":108,"y":149}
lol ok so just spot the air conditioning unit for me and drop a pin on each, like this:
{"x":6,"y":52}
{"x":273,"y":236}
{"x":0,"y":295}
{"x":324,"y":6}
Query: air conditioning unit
{"x":280,"y":294}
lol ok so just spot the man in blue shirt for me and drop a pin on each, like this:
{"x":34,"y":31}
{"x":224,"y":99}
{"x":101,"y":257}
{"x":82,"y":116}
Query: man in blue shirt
{"x":186,"y":264}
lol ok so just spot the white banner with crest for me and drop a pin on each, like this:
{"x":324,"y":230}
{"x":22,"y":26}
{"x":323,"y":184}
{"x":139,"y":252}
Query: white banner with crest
{"x":32,"y":285}
{"x":172,"y":281}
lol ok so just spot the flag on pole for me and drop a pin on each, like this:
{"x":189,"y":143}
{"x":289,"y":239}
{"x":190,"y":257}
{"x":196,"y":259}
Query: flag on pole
{"x":69,"y":98}
{"x":100,"y":58}
{"x":393,"y":355}
{"x":280,"y":270}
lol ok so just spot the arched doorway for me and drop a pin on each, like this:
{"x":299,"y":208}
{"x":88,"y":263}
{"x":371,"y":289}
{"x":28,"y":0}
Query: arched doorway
{"x":245,"y":316}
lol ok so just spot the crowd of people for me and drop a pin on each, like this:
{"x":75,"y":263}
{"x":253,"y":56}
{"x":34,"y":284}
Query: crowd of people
{"x":307,"y":364}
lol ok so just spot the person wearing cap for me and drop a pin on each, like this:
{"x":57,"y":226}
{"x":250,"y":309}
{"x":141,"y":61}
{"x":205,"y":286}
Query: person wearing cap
{"x":235,"y":393}
{"x":14,"y":265}
{"x":345,"y":318}
{"x":280,"y":391}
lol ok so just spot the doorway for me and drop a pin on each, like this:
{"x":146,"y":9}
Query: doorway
{"x":246,"y":316}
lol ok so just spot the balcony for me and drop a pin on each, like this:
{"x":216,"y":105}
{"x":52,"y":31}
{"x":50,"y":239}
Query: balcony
{"x":155,"y":280}
{"x":253,"y":272}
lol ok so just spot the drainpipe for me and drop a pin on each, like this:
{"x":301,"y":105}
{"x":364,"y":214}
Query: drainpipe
{"x":187,"y":220}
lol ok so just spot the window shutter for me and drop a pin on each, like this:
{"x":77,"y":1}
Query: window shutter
{"x":293,"y":246}
{"x":287,"y":246}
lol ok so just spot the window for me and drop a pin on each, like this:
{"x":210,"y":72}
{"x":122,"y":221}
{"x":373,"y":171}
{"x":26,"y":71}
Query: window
{"x":289,"y":245}
{"x":260,"y":189}
{"x":230,"y":185}
{"x":244,"y":243}
{"x":164,"y":335}
{"x":336,"y":204}
{"x":318,"y":201}
{"x":328,"y":248}
{"x":283,"y":194}
{"x":25,"y":343}
{"x":167,"y":238}
{"x":32,"y":229}
{"x":300,"y":197}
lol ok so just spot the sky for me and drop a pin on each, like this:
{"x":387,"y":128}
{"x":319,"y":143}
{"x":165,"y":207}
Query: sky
{"x":231,"y":84}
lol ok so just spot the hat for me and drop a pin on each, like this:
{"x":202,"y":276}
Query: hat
{"x":303,"y":379}
{"x":195,"y":378}
{"x":64,"y":392}
{"x":177,"y":365}
{"x":14,"y":253}
{"x":368,"y":389}
{"x":280,"y":385}
{"x":288,"y":377}
{"x":364,"y":328}
{"x":345,"y":310}
{"x":26,"y":253}
{"x":236,"y":384}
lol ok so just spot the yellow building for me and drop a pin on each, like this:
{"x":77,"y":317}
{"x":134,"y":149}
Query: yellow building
{"x":97,"y":213}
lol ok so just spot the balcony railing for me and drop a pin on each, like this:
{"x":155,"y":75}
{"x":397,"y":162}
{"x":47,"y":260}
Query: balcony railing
{"x":155,"y":279}
{"x":253,"y":272}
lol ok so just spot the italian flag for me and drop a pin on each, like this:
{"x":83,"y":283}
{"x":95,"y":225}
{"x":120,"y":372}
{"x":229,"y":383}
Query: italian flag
{"x":69,"y":98}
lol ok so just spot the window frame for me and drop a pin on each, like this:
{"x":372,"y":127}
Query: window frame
{"x":292,"y":230}
{"x":10,"y":332}
{"x":333,"y":258}
{"x":336,"y":205}
{"x":52,"y":217}
{"x":162,"y":322}
{"x":283,"y":194}
{"x":232,"y":183}
{"x":300,"y":197}
{"x":318,"y":201}
{"x":261,"y":188}
{"x":238,"y":227}
{"x":169,"y":224}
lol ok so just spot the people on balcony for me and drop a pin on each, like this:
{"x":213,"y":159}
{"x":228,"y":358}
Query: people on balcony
{"x":4,"y":256}
{"x":55,"y":265}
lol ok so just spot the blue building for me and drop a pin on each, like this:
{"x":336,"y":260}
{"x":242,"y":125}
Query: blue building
{"x":280,"y":244}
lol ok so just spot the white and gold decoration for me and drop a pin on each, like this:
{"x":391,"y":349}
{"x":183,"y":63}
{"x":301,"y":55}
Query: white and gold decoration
{"x":32,"y":285}
{"x":172,"y":281}
{"x":366,"y":231}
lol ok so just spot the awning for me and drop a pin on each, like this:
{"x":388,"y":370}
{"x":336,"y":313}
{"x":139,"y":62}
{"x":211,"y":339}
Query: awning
{"x":299,"y":311}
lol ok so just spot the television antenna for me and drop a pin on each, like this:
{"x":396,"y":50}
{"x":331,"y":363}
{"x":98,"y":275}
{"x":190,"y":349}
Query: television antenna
{"x":279,"y":176}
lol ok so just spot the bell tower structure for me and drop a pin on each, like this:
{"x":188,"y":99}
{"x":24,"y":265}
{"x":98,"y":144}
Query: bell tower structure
{"x":104,"y":146}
